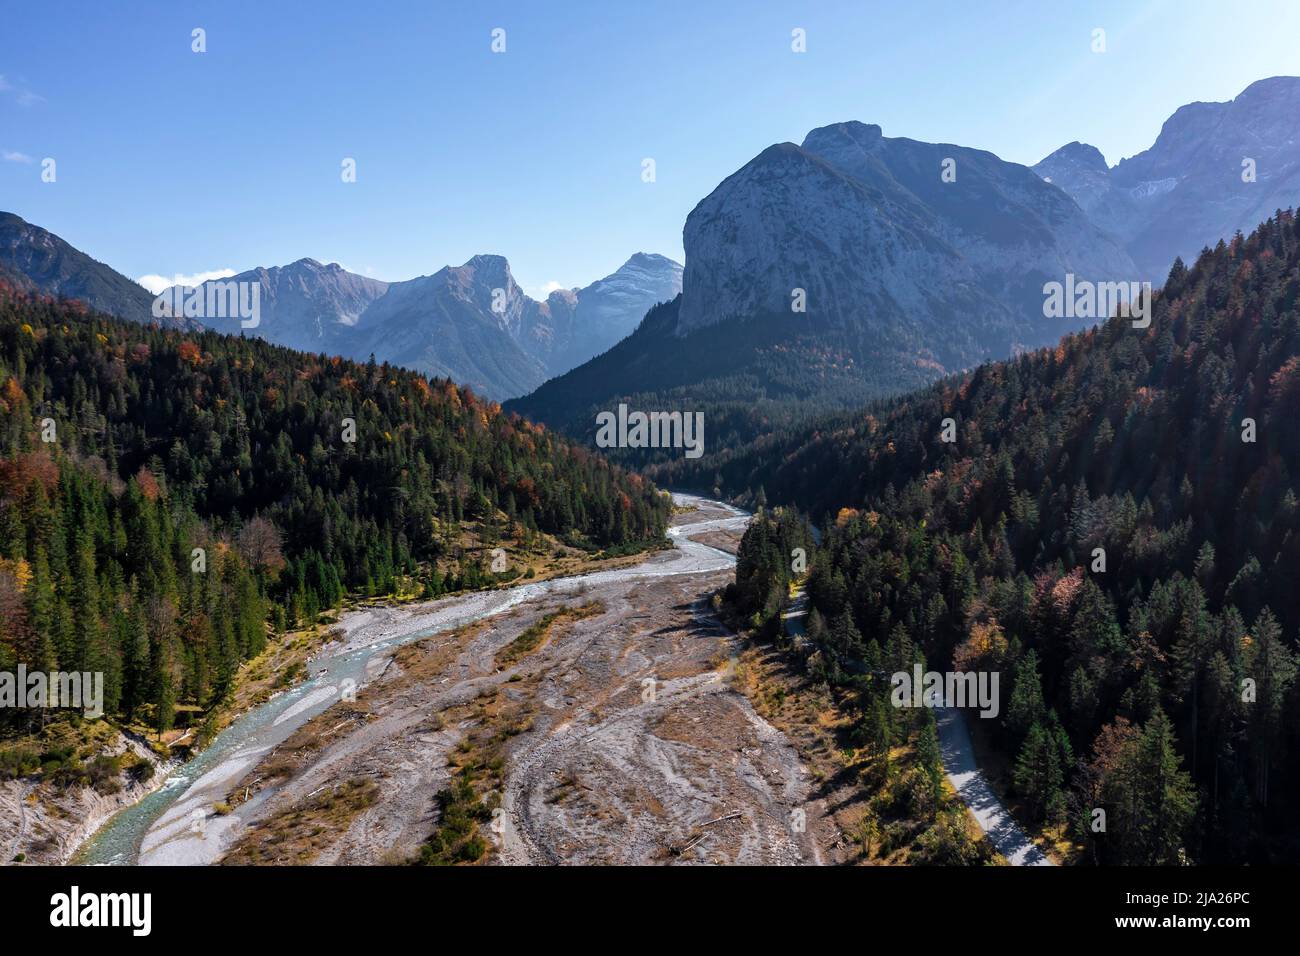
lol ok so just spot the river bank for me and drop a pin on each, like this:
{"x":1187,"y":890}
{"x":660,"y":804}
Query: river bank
{"x":42,"y":823}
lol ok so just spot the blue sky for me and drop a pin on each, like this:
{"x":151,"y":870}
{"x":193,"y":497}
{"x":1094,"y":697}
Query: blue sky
{"x":171,"y":162}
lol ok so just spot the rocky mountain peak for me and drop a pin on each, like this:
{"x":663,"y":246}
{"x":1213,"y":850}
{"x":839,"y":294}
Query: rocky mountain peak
{"x":1083,"y":157}
{"x":864,"y":136}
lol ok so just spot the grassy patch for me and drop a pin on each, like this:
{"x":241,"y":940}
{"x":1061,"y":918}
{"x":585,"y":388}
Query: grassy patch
{"x":478,"y":763}
{"x":68,"y":752}
{"x":299,"y":834}
{"x":457,"y":838}
{"x":537,"y":633}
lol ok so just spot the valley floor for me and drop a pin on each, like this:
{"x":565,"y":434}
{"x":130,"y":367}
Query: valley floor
{"x":607,"y":719}
{"x":599,"y":718}
{"x":620,"y":739}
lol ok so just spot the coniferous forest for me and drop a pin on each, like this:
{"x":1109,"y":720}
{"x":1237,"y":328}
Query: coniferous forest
{"x":167,"y":500}
{"x":1113,"y":530}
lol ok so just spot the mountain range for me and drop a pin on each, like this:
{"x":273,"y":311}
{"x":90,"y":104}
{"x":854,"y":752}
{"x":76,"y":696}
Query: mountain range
{"x":849,"y":267}
{"x":471,"y":323}
{"x":1214,"y":170}
{"x":914,"y":260}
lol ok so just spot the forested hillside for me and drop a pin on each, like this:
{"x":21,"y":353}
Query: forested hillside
{"x":300,"y":478}
{"x":1115,"y":529}
{"x":747,"y":378}
{"x":36,"y":260}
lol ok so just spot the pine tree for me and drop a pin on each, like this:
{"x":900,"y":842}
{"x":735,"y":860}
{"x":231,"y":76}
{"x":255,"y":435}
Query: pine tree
{"x":1038,"y":776}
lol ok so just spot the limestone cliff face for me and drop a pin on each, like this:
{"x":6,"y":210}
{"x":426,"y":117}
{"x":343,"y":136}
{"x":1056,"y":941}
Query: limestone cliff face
{"x":882,"y":242}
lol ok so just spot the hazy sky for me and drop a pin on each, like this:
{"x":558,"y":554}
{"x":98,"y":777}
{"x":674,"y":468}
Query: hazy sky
{"x":170,"y":161}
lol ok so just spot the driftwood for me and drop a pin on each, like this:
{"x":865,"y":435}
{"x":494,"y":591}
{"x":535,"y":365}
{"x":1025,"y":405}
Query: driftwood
{"x":701,"y":836}
{"x":729,"y":816}
{"x":350,"y":719}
